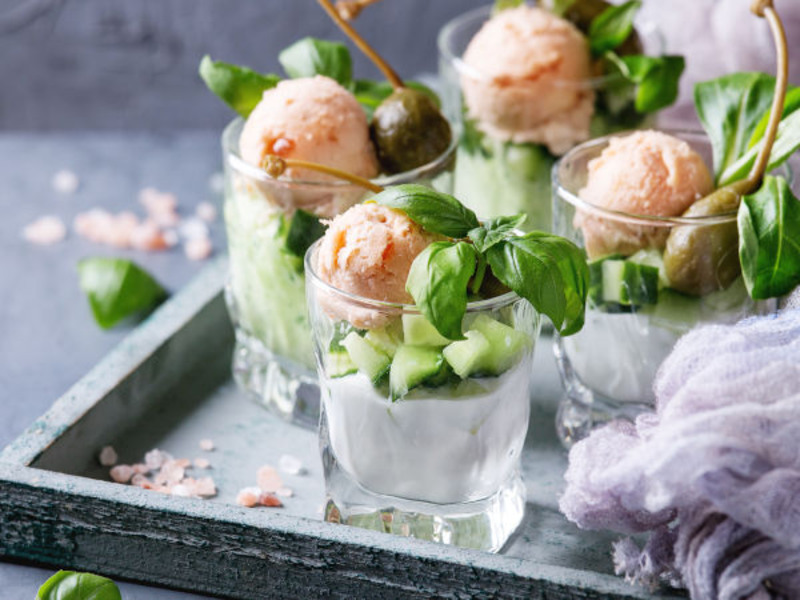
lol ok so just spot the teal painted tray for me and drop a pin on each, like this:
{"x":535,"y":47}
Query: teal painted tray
{"x":168,"y":386}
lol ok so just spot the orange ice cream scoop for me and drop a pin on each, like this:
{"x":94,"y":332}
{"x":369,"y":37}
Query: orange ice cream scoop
{"x":526,"y":79}
{"x":368,"y":251}
{"x":644,"y":173}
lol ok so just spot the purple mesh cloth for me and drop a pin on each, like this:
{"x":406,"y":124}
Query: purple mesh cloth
{"x":713,"y":475}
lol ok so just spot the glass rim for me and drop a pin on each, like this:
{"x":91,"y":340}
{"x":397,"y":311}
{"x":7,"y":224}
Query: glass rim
{"x":394,"y":307}
{"x":446,"y":33}
{"x":635,"y":218}
{"x":234,"y":159}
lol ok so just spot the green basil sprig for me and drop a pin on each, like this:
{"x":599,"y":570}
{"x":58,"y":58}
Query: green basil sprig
{"x":239,"y":87}
{"x":656,"y":79}
{"x":612,"y":27}
{"x":548,"y":271}
{"x":769,"y":239}
{"x":310,"y":56}
{"x":70,"y":585}
{"x":117,"y":288}
{"x":305,"y":229}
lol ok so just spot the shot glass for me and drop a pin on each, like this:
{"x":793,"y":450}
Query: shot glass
{"x":421,"y":436}
{"x":498,"y":177}
{"x":633,"y":316}
{"x":273,"y":359}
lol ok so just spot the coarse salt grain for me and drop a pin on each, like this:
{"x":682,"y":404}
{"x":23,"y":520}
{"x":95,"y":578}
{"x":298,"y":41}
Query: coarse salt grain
{"x":155,"y":458}
{"x":284,"y":492}
{"x":139,"y":480}
{"x":248,"y":497}
{"x":171,"y":238}
{"x":141,"y":468}
{"x":198,"y":248}
{"x":207,"y":212}
{"x":181,"y":490}
{"x":269,"y":500}
{"x":206,"y":445}
{"x":205,"y":487}
{"x":147,"y":236}
{"x":268,"y":479}
{"x":291,"y":465}
{"x":171,"y":473}
{"x":202,"y":463}
{"x":45,"y":231}
{"x":121,"y":473}
{"x":193,"y":229}
{"x":108,"y":456}
{"x":65,"y":182}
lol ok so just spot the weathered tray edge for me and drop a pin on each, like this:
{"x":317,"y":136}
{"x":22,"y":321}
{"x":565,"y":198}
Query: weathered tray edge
{"x":42,"y":509}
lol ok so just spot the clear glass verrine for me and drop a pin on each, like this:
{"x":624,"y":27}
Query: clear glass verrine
{"x":421,"y":436}
{"x":273,"y":359}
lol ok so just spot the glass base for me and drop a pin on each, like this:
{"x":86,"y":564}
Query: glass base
{"x":482,"y":524}
{"x":282,"y":386}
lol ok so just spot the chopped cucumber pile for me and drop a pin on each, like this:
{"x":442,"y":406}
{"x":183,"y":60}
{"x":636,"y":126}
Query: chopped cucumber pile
{"x":618,"y":284}
{"x":412,"y":353}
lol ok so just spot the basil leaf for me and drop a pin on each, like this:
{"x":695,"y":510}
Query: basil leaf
{"x":559,"y":7}
{"x":371,"y":93}
{"x":117,"y":288}
{"x":70,"y":585}
{"x":730,"y":109}
{"x":438,"y":283}
{"x":612,"y":27}
{"x":656,"y":79}
{"x":495,"y":230}
{"x":434,"y":211}
{"x":310,"y":56}
{"x":501,"y":5}
{"x":769,"y":240}
{"x":548,"y":271}
{"x":305,"y":229}
{"x":790,"y":104}
{"x":239,"y":87}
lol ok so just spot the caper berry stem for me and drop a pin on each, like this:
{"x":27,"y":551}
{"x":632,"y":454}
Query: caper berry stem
{"x":765,"y":8}
{"x":275,"y":166}
{"x":390,"y":74}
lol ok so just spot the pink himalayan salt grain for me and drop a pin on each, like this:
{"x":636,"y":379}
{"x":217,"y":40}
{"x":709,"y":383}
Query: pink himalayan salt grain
{"x":155,"y":458}
{"x":269,"y":500}
{"x":183,"y":462}
{"x":121,"y":473}
{"x":205,"y":487}
{"x":291,"y":465}
{"x":170,"y":473}
{"x":248,"y":497}
{"x":198,"y":248}
{"x":160,"y":206}
{"x":207,"y":212}
{"x":108,"y":456}
{"x":193,"y":229}
{"x":268,"y":479}
{"x":171,"y":238}
{"x":147,"y":236}
{"x":202,"y":463}
{"x":284,"y":492}
{"x":139,"y":480}
{"x":141,"y":468}
{"x":45,"y":231}
{"x":206,"y":445}
{"x":65,"y":182}
{"x":181,"y":490}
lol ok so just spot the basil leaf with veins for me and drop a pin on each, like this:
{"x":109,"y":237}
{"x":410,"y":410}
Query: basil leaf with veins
{"x":438,"y":283}
{"x":309,"y":57}
{"x":769,"y":240}
{"x":239,"y":87}
{"x":656,"y":79}
{"x":612,"y":27}
{"x":494,"y":231}
{"x":71,"y":585}
{"x":436,"y":212}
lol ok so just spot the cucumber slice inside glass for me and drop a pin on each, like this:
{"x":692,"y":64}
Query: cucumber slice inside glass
{"x":629,"y":283}
{"x":506,"y":343}
{"x":413,"y":366}
{"x":418,"y":331}
{"x":338,"y":364}
{"x":368,"y":360}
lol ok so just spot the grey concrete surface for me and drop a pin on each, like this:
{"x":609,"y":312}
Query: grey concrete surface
{"x":48,"y":339}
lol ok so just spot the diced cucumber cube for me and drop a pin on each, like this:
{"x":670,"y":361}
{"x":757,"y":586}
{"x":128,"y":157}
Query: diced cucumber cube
{"x":340,"y":331}
{"x":418,"y":331}
{"x":506,"y":343}
{"x":470,"y":356}
{"x":596,"y":278}
{"x":370,"y":361}
{"x":629,"y":283}
{"x":652,"y":258}
{"x":413,"y":366}
{"x":338,"y":364}
{"x":386,"y":340}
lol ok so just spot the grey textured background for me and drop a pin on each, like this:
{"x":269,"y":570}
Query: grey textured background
{"x":114,"y":64}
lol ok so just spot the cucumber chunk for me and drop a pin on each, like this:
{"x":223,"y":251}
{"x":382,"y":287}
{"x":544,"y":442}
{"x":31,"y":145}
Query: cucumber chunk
{"x":413,"y":366}
{"x":596,"y":277}
{"x":470,"y":356}
{"x":370,"y":361}
{"x":340,"y":331}
{"x":338,"y":364}
{"x":629,"y":283}
{"x":418,"y":331}
{"x":506,"y":343}
{"x":653,"y":258}
{"x":386,"y":340}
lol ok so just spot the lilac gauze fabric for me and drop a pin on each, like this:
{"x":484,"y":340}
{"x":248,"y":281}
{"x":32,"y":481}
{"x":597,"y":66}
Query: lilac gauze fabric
{"x":713,"y":475}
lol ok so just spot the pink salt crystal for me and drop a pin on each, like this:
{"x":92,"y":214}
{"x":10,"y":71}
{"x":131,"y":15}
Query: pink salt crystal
{"x":201,"y":463}
{"x":108,"y":456}
{"x":92,"y":224}
{"x":171,"y":238}
{"x":65,"y":182}
{"x":181,"y":490}
{"x":183,"y":462}
{"x":160,"y":206}
{"x":45,"y":231}
{"x":284,"y":492}
{"x":198,"y":248}
{"x":126,"y":219}
{"x":155,"y":458}
{"x":268,"y":479}
{"x":170,"y":473}
{"x":147,"y":236}
{"x":163,"y":489}
{"x":207,"y":445}
{"x":121,"y":473}
{"x":141,"y":468}
{"x":205,"y":487}
{"x":269,"y":500}
{"x":192,"y":229}
{"x":290,"y":465}
{"x":140,"y":480}
{"x":207,"y":212}
{"x":248,"y":497}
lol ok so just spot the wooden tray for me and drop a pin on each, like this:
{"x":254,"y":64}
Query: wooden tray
{"x":168,"y":386}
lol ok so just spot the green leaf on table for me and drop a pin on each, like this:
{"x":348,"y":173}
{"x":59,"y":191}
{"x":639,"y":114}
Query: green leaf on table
{"x":305,"y":229}
{"x":731,"y":109}
{"x":239,"y":87}
{"x":548,"y":271}
{"x":70,"y":585}
{"x":438,"y":283}
{"x":310,"y":56}
{"x":612,"y":27}
{"x":371,"y":93}
{"x":435,"y":211}
{"x":117,"y":288}
{"x":769,"y":239}
{"x":656,"y":79}
{"x":501,"y":5}
{"x":495,"y":230}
